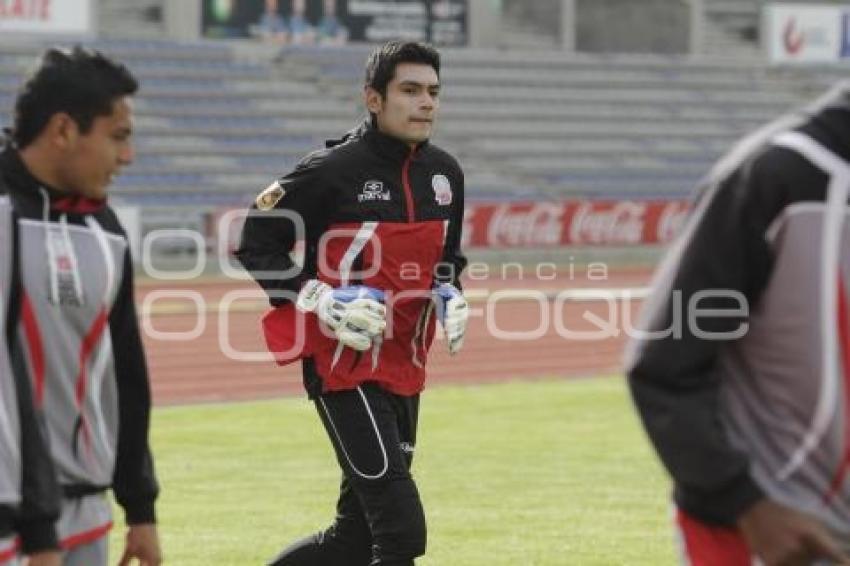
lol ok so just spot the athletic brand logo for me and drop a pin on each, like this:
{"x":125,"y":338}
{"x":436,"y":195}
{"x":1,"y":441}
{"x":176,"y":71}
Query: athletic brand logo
{"x":406,"y":447}
{"x":442,"y":189}
{"x":373,"y":190}
{"x":270,"y":196}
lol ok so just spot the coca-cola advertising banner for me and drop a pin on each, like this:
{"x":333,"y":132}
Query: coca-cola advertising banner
{"x":572,"y":223}
{"x":537,"y":224}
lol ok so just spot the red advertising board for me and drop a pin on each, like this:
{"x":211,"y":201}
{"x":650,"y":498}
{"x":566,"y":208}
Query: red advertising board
{"x":574,"y":222}
{"x":535,"y":224}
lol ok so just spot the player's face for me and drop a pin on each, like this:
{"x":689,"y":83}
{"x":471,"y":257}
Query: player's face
{"x":410,"y":107}
{"x":91,"y":160}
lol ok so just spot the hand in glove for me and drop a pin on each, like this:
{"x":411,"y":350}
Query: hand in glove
{"x":453,"y":313}
{"x":355,"y":313}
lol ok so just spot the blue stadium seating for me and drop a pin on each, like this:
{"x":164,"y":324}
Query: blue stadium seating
{"x":213,"y":128}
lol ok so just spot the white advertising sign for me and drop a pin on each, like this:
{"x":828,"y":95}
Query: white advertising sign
{"x":46,"y":16}
{"x":804,"y":33}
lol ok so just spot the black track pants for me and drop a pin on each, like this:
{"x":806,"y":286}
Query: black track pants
{"x":379,"y":520}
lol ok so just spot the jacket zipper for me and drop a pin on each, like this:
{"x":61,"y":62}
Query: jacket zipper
{"x":405,"y":181}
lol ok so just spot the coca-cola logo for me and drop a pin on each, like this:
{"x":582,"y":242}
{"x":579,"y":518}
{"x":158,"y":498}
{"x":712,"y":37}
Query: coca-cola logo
{"x":539,"y":225}
{"x":621,"y":223}
{"x":530,"y":224}
{"x":670,"y":221}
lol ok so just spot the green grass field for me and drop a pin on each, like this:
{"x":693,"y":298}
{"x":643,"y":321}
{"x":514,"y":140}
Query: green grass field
{"x":525,"y":473}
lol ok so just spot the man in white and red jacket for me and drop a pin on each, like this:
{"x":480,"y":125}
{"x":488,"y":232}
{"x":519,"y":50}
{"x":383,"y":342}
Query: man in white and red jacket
{"x":380,"y":212}
{"x":71,"y":327}
{"x":741,"y":371}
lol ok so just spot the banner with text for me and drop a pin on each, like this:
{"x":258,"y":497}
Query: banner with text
{"x":47,"y":16}
{"x":537,"y":224}
{"x":304,"y":22}
{"x":573,"y":223}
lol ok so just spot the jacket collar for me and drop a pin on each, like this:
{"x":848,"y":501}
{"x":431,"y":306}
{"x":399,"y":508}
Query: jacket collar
{"x":21,"y":180}
{"x":382,"y":143}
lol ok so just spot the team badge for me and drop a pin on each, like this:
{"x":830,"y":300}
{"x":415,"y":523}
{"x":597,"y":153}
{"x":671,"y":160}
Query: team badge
{"x":270,"y":196}
{"x":442,"y":189}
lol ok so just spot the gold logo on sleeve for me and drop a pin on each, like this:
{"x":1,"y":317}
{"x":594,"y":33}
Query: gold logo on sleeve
{"x":270,"y":196}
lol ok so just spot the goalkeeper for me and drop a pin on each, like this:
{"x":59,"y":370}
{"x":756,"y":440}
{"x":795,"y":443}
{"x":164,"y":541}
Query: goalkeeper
{"x":380,"y":212}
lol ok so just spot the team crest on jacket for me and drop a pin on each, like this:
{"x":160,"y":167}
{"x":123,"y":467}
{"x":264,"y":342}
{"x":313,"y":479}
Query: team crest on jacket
{"x":442,"y":189}
{"x":270,"y":196}
{"x":373,"y":190}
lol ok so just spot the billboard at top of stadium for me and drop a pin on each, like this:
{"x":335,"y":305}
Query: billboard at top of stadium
{"x":806,"y":33}
{"x":442,"y":22}
{"x":47,"y":16}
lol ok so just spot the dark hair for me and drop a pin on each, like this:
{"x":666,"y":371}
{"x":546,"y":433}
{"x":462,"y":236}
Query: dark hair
{"x":380,"y":67}
{"x":82,"y":83}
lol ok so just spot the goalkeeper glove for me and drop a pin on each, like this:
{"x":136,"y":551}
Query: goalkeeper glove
{"x":453,"y":313}
{"x":356,"y":314}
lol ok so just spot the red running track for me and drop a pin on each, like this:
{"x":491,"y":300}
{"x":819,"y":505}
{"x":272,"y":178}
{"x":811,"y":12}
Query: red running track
{"x":506,"y":340}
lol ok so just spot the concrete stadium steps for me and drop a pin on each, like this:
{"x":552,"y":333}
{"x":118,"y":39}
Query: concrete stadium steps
{"x":216,"y":90}
{"x":181,"y":144}
{"x":671,"y":146}
{"x":542,"y":129}
{"x":273,"y":106}
{"x":628,"y":165}
{"x":469,"y":110}
{"x":198,"y":91}
{"x":244,"y":127}
{"x":347,"y":64}
{"x":663,"y":71}
{"x":352,"y":57}
{"x":342,"y":79}
{"x":226,"y":187}
{"x":555,"y":59}
{"x":194,"y":180}
{"x":127,"y":50}
{"x":213,"y":125}
{"x":732,"y":28}
{"x":659,"y":95}
{"x":467,"y":129}
{"x":598,"y":78}
{"x":220,"y":162}
{"x":674,"y":116}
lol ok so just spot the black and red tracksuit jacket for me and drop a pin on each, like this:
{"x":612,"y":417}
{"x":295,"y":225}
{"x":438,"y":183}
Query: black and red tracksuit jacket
{"x":375,"y":212}
{"x":740,"y":365}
